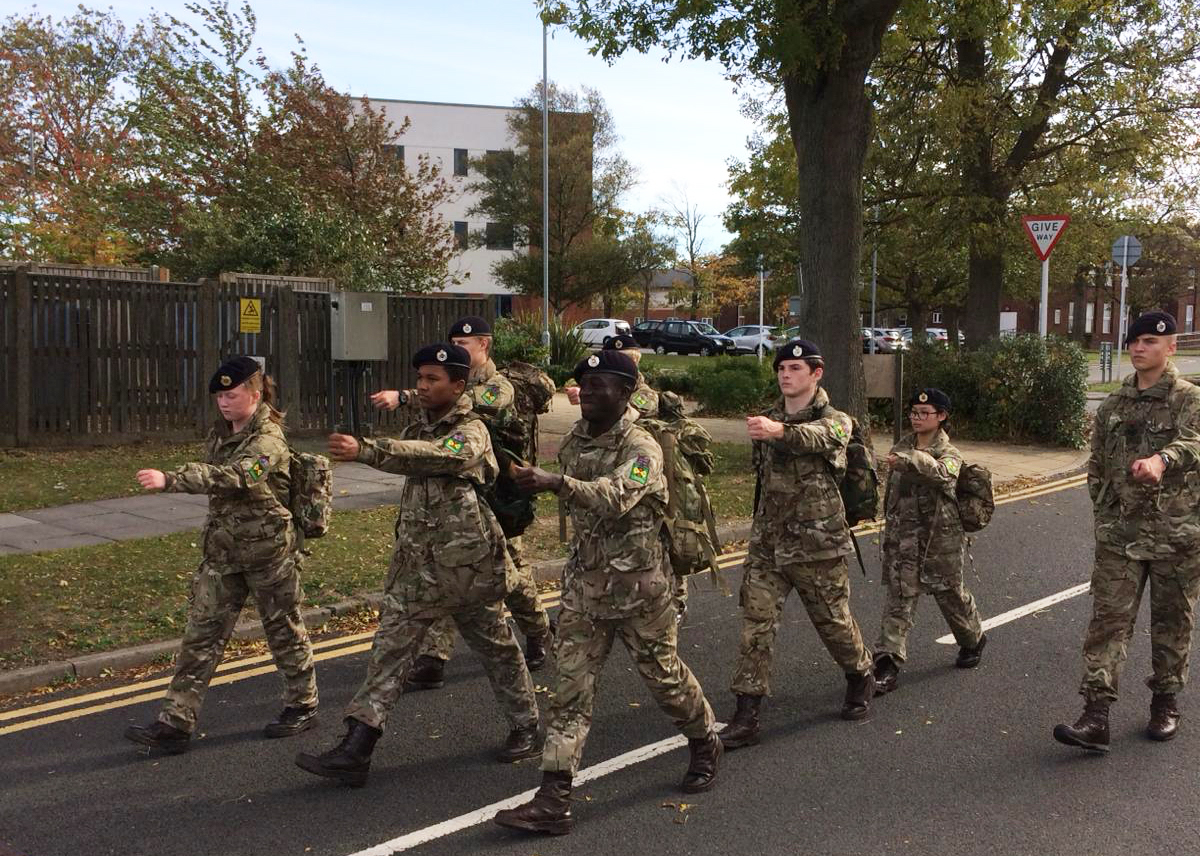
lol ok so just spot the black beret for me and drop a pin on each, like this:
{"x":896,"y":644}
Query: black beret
{"x":442,"y":354}
{"x":620,"y":342}
{"x":232,"y":372}
{"x":1150,"y":324}
{"x":608,"y":362}
{"x":935,"y":397}
{"x":472,"y":325}
{"x":798,"y":349}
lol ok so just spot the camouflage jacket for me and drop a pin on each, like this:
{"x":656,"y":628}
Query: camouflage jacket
{"x":248,"y":481}
{"x":799,"y":503}
{"x":923,"y":540}
{"x":1137,"y":520}
{"x":616,"y":494}
{"x":644,"y":399}
{"x":450,"y":551}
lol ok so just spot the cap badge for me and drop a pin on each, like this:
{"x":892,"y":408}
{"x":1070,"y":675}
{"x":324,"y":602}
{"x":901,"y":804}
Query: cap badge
{"x":226,"y":380}
{"x":1161,"y":326}
{"x":923,"y":397}
{"x":797,"y":350}
{"x":618,"y":344}
{"x":466,"y":328}
{"x":441,"y":356}
{"x":593,"y":361}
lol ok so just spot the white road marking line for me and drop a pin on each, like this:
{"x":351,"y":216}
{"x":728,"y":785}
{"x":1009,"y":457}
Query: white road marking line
{"x":1020,"y":611}
{"x":482,"y":815}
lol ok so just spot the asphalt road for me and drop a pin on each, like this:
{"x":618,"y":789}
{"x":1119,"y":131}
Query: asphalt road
{"x":954,"y":762}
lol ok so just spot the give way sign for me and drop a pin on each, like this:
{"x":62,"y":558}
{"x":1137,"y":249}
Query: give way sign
{"x":1044,"y":232}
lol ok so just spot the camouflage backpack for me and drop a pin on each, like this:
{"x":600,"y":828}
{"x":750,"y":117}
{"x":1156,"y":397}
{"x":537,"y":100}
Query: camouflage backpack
{"x":514,"y":510}
{"x":859,"y":486}
{"x":311,"y":501}
{"x":691,"y":525}
{"x":974,"y":495}
{"x":533,"y":391}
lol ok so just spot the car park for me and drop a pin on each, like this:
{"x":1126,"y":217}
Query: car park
{"x":598,"y":331}
{"x":749,"y":338}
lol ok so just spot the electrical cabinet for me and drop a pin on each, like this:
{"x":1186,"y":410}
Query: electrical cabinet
{"x":358,"y":325}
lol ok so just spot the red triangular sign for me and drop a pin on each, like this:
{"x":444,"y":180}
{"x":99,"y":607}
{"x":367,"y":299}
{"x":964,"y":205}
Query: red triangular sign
{"x":1044,"y":232}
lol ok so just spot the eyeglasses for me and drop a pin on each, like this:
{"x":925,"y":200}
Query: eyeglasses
{"x":922,"y":414}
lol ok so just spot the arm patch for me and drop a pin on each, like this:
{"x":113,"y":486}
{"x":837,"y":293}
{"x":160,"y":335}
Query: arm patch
{"x":490,"y":394}
{"x":455,"y":443}
{"x":640,"y":470}
{"x":258,"y":469}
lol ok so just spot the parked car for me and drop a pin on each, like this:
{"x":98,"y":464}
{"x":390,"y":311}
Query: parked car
{"x":689,"y":337}
{"x":749,"y":338}
{"x":888,"y":340}
{"x":644,"y":331}
{"x":597,"y":331}
{"x":934,"y":335}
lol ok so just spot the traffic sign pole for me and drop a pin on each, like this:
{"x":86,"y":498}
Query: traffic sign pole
{"x":1043,"y":233}
{"x":1042,"y":308}
{"x":1126,"y":251}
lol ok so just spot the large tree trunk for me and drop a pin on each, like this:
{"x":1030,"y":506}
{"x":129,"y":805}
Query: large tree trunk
{"x":829,"y":116}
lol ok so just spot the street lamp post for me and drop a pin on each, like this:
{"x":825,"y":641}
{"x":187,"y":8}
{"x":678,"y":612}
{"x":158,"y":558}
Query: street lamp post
{"x":545,"y":191}
{"x":760,"y":305}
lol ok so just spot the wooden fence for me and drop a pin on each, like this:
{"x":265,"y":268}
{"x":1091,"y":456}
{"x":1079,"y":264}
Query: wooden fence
{"x":85,"y":360}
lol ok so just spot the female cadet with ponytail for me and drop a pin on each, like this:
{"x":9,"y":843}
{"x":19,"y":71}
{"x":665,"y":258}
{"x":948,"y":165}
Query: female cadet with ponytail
{"x":250,"y":545}
{"x":923,"y":540}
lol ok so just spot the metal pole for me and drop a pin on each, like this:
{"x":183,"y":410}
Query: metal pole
{"x":1043,"y":308}
{"x":760,"y":305}
{"x":874,"y":260}
{"x":1121,"y":317}
{"x":545,"y":189}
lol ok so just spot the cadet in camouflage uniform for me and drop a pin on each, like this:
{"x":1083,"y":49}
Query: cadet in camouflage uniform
{"x":250,"y":545}
{"x":1143,"y":483}
{"x":449,"y":560}
{"x":492,"y":397}
{"x":923,"y":540}
{"x":644,"y":400}
{"x":616,"y":585}
{"x":799,"y":540}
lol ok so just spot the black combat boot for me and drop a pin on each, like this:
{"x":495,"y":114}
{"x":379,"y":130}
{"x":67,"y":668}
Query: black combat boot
{"x":968,"y":658}
{"x":886,"y":674}
{"x":520,"y":744}
{"x":549,"y":811}
{"x":159,"y":735}
{"x":536,"y":648}
{"x":1164,"y":717}
{"x":1091,"y":729}
{"x":349,"y":761}
{"x":427,"y":673}
{"x":860,"y":689}
{"x":742,"y":729}
{"x":702,"y":770}
{"x":293,"y":720}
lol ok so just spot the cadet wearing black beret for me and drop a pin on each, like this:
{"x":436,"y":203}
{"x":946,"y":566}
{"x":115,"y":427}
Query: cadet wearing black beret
{"x":935,"y":398}
{"x":441,"y":354}
{"x":621,"y":342}
{"x":232,"y":372}
{"x":1151,"y":324}
{"x":472,"y":325}
{"x":799,"y":349}
{"x":607,"y":362}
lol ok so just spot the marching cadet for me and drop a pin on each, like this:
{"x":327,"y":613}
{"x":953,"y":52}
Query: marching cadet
{"x":617,"y":583}
{"x":250,"y":545}
{"x":449,"y":560}
{"x":799,"y":540}
{"x":644,"y":399}
{"x":1141,"y":476}
{"x":923,"y":540}
{"x":492,"y":397}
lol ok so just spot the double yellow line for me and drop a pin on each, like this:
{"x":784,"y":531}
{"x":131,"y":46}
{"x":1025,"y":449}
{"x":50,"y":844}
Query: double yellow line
{"x":61,"y":710}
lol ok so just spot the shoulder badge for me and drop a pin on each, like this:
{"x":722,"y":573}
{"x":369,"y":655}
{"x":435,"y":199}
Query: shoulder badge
{"x":490,"y":394}
{"x":640,"y":400}
{"x":640,"y":471}
{"x":952,"y":465}
{"x":257,"y":469}
{"x":455,"y":442}
{"x":839,"y":431}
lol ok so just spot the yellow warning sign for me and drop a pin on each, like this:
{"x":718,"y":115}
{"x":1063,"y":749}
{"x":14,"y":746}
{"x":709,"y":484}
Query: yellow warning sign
{"x":250,"y":317}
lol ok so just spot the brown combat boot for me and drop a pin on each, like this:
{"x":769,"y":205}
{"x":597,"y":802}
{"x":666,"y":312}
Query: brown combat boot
{"x":886,"y":674}
{"x":520,"y":744}
{"x":536,"y":648}
{"x":860,"y":689}
{"x":702,"y":771}
{"x":549,"y":811}
{"x":349,"y":761}
{"x":1090,"y":731}
{"x":1164,"y":717}
{"x":742,"y":729}
{"x":427,"y":673}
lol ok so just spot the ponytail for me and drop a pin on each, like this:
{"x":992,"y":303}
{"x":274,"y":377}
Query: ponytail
{"x":265,"y":384}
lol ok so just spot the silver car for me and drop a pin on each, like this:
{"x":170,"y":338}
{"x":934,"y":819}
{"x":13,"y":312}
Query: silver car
{"x":748,"y":338}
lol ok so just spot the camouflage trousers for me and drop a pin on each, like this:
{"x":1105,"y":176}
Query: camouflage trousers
{"x":583,"y":646}
{"x":824,"y":588}
{"x":522,"y":603}
{"x":399,"y":638}
{"x":680,"y":592}
{"x":957,"y":606}
{"x":215,"y":602}
{"x":1117,"y":586}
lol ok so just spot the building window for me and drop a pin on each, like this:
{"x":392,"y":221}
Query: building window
{"x":1089,"y":318}
{"x":1057,"y":317}
{"x":1071,"y":317}
{"x":1189,"y":315}
{"x":902,"y":321}
{"x":498,"y":236}
{"x":394,"y":152}
{"x":1107,"y":322}
{"x":460,"y":161}
{"x":460,"y":235}
{"x":935,"y":317}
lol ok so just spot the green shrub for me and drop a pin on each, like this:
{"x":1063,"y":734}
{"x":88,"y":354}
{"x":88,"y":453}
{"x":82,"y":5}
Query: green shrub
{"x":560,"y":374}
{"x":566,"y":346}
{"x":669,"y":380}
{"x":518,"y":339}
{"x":729,"y":386}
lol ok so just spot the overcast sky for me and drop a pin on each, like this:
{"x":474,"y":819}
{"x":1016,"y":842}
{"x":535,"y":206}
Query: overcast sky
{"x":679,"y":122}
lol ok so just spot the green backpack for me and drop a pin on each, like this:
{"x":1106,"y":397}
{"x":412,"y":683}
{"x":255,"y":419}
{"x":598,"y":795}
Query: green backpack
{"x":311,"y":500}
{"x":691,"y":526}
{"x":859,"y":486}
{"x":974,"y":494}
{"x":513,"y":509}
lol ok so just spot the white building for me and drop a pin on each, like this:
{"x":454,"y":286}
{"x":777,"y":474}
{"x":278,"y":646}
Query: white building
{"x":452,"y":135}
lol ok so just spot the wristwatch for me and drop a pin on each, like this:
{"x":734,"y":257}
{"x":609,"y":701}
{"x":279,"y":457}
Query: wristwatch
{"x":1166,"y":460}
{"x":403,"y":397}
